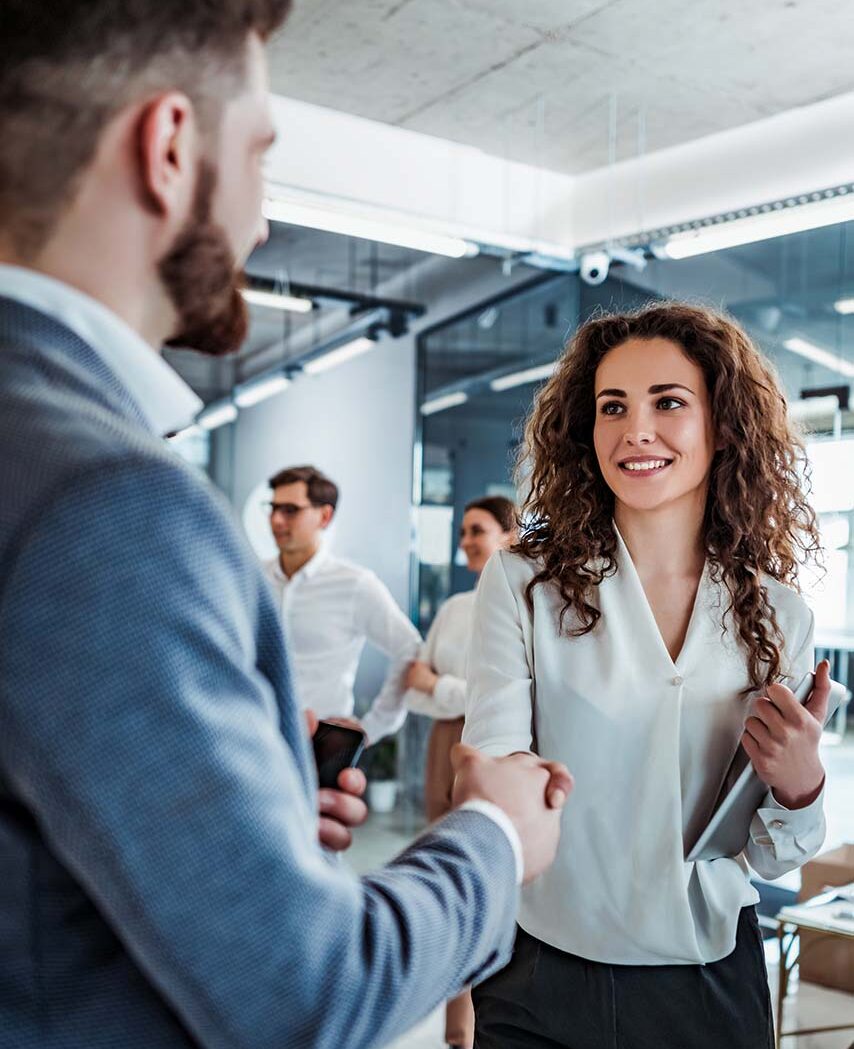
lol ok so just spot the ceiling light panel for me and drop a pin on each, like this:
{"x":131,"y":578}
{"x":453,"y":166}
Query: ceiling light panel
{"x":277,"y":301}
{"x":440,"y":404}
{"x":339,"y":355}
{"x":352,"y":225}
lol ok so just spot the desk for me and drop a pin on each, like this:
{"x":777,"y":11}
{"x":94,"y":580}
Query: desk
{"x":821,"y":919}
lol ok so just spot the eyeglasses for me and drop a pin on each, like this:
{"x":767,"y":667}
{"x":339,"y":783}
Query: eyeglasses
{"x":287,"y":509}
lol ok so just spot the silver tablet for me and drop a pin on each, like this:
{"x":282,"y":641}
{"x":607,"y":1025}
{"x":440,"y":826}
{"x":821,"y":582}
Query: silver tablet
{"x":728,"y":830}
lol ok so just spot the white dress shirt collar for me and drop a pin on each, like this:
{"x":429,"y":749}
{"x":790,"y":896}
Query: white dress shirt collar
{"x":309,"y":569}
{"x":165,"y":400}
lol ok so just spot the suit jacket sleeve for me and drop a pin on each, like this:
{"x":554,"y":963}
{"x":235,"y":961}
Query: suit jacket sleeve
{"x":138,"y":729}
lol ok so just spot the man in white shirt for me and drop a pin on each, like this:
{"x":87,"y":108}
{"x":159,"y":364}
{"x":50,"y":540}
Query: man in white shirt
{"x":330,"y":607}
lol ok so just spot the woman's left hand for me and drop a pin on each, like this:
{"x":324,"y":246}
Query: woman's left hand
{"x":421,"y":676}
{"x":781,"y":739}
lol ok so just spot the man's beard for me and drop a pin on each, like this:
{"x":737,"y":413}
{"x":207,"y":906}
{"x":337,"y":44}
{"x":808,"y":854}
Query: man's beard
{"x":201,"y":278}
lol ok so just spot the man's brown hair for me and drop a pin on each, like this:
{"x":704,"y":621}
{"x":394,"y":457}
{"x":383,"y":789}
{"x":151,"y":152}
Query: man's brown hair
{"x":69,"y":66}
{"x":321,"y":490}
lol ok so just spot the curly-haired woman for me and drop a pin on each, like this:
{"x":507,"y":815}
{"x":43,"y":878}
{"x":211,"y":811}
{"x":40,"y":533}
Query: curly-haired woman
{"x":648,"y":609}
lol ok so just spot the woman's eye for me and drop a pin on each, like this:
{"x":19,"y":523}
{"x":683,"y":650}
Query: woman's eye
{"x":669,"y":403}
{"x":611,"y":408}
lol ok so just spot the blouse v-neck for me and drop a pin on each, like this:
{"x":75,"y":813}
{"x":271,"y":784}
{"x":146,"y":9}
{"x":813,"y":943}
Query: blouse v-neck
{"x":626,"y":565}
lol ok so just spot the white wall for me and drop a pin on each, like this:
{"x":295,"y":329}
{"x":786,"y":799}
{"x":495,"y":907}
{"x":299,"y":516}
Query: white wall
{"x":356,"y":423}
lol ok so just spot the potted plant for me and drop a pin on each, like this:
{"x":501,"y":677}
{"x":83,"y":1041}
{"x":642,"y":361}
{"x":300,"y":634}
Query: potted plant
{"x":382,"y":775}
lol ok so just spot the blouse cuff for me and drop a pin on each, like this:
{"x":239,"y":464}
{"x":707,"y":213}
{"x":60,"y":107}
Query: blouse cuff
{"x":792,"y":832}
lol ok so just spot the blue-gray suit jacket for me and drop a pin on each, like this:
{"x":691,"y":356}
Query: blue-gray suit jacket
{"x":160,"y":880}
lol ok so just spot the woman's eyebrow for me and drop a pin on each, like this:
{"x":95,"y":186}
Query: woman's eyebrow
{"x":658,"y":388}
{"x":664,"y":386}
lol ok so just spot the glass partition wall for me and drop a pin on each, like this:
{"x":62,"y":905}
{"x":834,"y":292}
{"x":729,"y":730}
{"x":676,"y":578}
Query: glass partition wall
{"x":478,"y":374}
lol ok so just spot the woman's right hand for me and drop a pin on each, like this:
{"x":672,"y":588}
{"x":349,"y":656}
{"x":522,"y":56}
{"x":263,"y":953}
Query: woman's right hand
{"x":421,"y":677}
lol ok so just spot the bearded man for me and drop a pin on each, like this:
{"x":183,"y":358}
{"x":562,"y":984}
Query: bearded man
{"x":161,"y":879}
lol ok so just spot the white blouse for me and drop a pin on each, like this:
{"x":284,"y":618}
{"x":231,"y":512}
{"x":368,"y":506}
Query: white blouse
{"x":446,"y":650}
{"x":649,"y":741}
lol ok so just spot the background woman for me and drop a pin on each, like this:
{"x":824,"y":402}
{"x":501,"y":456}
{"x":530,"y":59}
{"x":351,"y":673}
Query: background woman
{"x":630,"y":634}
{"x":437,"y":687}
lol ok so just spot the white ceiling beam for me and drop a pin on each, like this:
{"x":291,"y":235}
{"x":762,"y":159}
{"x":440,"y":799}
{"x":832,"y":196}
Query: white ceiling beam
{"x":803,"y":150}
{"x":364,"y":167}
{"x":347,"y":163}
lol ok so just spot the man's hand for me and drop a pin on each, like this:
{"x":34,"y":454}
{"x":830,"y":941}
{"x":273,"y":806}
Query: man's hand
{"x":531,"y":791}
{"x":421,"y":676}
{"x":781,"y":739}
{"x":343,"y":808}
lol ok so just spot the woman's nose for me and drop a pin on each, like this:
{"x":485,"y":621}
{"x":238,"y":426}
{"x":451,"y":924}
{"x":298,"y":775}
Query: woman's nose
{"x":639,"y":429}
{"x":638,"y":437}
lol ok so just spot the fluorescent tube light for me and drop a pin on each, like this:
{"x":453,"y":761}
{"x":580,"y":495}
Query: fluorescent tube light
{"x":844,"y":305}
{"x":439,"y":404}
{"x":819,"y":356}
{"x":275,"y":301}
{"x":369,"y":229}
{"x":217,"y":414}
{"x":763,"y":226}
{"x":814,"y":407}
{"x":259,"y":390}
{"x":536,"y":374}
{"x":340,"y":354}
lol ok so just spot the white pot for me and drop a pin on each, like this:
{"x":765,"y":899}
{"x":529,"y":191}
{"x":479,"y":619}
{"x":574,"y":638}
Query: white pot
{"x":382,"y":794}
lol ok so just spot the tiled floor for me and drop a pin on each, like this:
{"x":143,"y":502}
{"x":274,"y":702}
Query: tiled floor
{"x":807,"y":1006}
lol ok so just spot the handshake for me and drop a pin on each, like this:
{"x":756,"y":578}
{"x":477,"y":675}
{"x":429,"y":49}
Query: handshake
{"x":530,"y":791}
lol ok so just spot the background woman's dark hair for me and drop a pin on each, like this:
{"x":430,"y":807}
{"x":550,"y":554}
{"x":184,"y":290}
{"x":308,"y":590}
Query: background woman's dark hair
{"x":502,"y":509}
{"x":757,"y":516}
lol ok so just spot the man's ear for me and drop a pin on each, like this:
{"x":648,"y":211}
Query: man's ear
{"x":326,"y":515}
{"x":167,"y":154}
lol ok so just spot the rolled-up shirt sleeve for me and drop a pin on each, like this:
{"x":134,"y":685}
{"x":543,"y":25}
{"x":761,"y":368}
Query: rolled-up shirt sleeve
{"x":499,"y":702}
{"x":384,"y":625}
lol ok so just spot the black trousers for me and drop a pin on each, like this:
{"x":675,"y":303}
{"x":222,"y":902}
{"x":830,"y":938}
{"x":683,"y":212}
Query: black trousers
{"x":548,"y":999}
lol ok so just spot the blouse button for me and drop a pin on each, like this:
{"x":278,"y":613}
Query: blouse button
{"x":676,"y":680}
{"x":777,"y":824}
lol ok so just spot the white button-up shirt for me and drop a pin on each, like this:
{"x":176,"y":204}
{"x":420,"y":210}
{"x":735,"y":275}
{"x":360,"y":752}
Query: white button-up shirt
{"x":649,"y":741}
{"x":330,"y":607}
{"x":165,"y":400}
{"x":446,"y":650}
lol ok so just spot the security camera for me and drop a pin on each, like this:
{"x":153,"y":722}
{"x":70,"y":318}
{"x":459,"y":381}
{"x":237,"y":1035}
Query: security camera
{"x":594,"y":266}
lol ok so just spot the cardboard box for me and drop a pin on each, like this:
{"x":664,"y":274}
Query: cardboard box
{"x":829,"y":962}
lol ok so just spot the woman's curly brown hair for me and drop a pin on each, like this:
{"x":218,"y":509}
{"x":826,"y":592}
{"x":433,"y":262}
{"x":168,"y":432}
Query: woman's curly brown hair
{"x":757,"y":517}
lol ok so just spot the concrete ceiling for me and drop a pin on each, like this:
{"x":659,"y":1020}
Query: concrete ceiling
{"x":538,"y":82}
